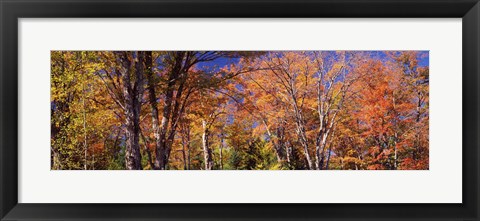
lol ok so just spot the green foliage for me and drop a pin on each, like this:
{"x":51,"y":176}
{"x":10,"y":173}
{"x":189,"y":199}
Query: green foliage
{"x":117,"y":162}
{"x":252,"y":156}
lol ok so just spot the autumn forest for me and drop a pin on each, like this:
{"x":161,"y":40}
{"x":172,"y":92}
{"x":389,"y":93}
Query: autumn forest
{"x":239,"y":110}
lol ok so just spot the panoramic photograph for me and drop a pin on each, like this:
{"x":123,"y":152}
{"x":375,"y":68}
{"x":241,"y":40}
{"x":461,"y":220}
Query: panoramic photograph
{"x":239,"y":110}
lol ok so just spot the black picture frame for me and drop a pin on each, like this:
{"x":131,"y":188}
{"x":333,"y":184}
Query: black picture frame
{"x":10,"y":11}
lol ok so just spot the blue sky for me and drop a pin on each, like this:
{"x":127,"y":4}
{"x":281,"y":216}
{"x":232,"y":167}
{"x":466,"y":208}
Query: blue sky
{"x":424,"y":59}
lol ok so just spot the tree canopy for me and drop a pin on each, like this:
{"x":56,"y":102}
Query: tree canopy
{"x":235,"y":110}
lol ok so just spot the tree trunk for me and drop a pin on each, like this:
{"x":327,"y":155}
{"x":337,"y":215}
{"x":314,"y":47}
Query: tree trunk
{"x":302,"y":134}
{"x":303,"y":140}
{"x":55,"y":160}
{"x":276,"y":145}
{"x":147,"y":150}
{"x":207,"y":152}
{"x":84,"y":127}
{"x":319,"y":151}
{"x":152,"y":98}
{"x":132,"y":95}
{"x":189,"y":164}
{"x":288,"y":151}
{"x":221,"y":151}
{"x":321,"y":146}
{"x":328,"y":157}
{"x":417,"y":126}
{"x":161,"y":153}
{"x":160,"y":161}
{"x":185,"y":131}
{"x":184,"y":149}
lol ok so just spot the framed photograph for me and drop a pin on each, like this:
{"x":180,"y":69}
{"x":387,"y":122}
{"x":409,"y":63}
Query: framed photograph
{"x":230,"y":110}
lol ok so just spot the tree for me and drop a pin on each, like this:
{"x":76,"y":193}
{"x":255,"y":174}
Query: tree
{"x":289,"y":80}
{"x":131,"y":68}
{"x":191,"y":110}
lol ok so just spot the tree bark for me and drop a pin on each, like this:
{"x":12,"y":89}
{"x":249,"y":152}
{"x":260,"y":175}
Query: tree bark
{"x":302,"y":133}
{"x":174,"y":103}
{"x":185,"y":148}
{"x":207,"y":152}
{"x":276,"y":144}
{"x":152,"y":98}
{"x":185,"y":132}
{"x":132,"y":72}
{"x":84,"y":127}
{"x":221,"y":150}
{"x":161,"y":153}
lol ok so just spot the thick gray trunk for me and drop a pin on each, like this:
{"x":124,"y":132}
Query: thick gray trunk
{"x":132,"y":72}
{"x":320,"y":148}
